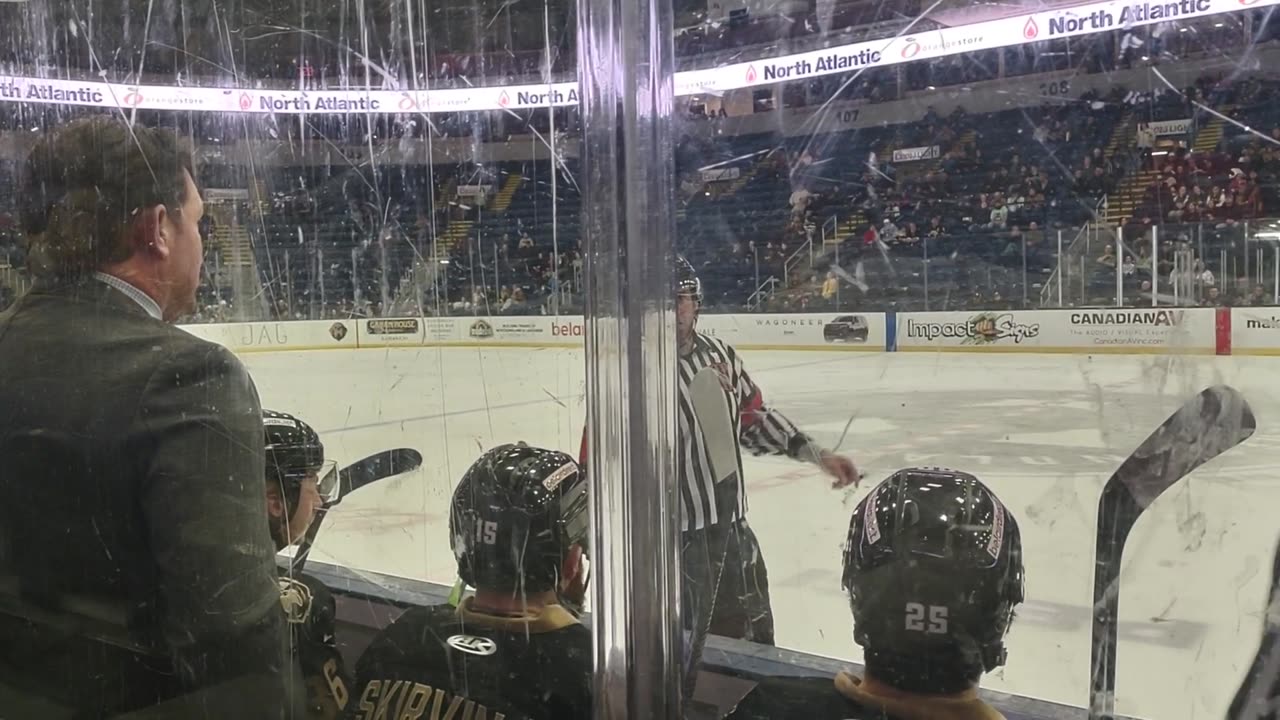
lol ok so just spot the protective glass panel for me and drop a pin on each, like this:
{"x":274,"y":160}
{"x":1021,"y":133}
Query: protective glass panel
{"x":381,"y":246}
{"x":1008,"y":240}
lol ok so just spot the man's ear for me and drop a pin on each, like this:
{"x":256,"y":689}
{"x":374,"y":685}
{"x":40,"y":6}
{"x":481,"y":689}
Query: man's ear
{"x":151,"y":232}
{"x":275,"y":503}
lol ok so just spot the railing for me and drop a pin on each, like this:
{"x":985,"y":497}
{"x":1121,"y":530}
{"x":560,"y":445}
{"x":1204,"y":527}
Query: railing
{"x":830,"y":235}
{"x":796,"y":258}
{"x":762,"y":293}
{"x":1066,"y":276}
{"x":1184,"y":264}
{"x":971,"y":269}
{"x":1052,"y":295}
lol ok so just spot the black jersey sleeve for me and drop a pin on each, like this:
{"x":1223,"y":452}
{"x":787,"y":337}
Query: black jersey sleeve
{"x":310,"y":610}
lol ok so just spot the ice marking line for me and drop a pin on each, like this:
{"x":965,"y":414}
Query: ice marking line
{"x":437,"y":416}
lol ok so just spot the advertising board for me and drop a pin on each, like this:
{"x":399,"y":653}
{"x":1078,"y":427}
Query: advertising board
{"x":1160,"y":329}
{"x":811,"y":331}
{"x":277,"y":336}
{"x":1058,"y":22}
{"x":929,"y":152}
{"x":1168,"y":127}
{"x":389,"y":332}
{"x":1104,"y":330}
{"x":1255,"y":331}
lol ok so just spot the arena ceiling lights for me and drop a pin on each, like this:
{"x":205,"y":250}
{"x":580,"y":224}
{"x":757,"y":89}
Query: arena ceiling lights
{"x":1035,"y":27}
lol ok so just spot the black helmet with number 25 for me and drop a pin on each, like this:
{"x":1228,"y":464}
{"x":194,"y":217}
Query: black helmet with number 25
{"x":514,"y":516}
{"x":933,"y":569}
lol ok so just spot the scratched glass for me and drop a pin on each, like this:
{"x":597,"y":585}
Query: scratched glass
{"x":1010,"y":241}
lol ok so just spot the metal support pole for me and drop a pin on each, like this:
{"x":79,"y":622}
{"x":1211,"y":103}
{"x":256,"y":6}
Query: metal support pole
{"x":1275,"y":268}
{"x":320,"y":275}
{"x":1119,"y":255}
{"x":384,"y":274}
{"x":755,"y":254}
{"x":1244,"y":250}
{"x":924,"y":242}
{"x":1084,"y":292}
{"x":1155,"y":264}
{"x":288,"y":288}
{"x":837,"y":261}
{"x":1062,"y":266}
{"x":355,"y":275}
{"x":1024,"y":271}
{"x":625,"y":74}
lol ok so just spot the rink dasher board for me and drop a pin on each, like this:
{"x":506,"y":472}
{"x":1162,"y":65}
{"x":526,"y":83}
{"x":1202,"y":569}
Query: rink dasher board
{"x":1161,"y":331}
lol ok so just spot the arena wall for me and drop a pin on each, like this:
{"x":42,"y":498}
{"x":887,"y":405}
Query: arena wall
{"x":1199,"y":331}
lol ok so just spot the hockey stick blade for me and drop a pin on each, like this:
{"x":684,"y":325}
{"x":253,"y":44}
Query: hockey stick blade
{"x":1208,"y":425}
{"x":377,"y":466}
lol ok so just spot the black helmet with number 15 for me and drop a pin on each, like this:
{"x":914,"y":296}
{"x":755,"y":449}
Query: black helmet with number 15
{"x":515,"y":515}
{"x":933,"y":568}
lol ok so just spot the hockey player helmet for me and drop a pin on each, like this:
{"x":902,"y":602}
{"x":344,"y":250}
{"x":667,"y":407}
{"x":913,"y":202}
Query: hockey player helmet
{"x":933,"y":569}
{"x":293,"y":452}
{"x":514,"y":516}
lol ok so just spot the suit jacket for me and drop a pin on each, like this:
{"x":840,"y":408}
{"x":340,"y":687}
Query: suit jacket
{"x":131,"y":491}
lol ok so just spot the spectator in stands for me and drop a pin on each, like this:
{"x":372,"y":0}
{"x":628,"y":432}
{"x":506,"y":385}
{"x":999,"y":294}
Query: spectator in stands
{"x":1181,"y":199}
{"x":516,"y":304}
{"x":1256,"y":298}
{"x":1203,"y":275}
{"x":1213,"y":298}
{"x":888,"y":231}
{"x":830,"y":286}
{"x":1143,"y":262}
{"x":936,"y":228}
{"x":1108,"y":257}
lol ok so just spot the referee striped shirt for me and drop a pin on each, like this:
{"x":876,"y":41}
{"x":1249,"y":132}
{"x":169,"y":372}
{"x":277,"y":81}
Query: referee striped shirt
{"x":761,"y":430}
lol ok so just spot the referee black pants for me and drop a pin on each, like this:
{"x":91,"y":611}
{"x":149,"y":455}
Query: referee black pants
{"x":725,"y":588}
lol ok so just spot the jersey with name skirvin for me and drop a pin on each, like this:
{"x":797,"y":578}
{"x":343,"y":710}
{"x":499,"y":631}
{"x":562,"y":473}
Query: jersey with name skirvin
{"x":446,"y":662}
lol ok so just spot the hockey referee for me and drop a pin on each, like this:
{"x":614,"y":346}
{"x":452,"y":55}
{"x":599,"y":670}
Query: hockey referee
{"x":725,"y":585}
{"x":725,"y":588}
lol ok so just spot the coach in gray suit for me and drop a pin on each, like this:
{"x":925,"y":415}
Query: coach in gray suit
{"x":134,"y":550}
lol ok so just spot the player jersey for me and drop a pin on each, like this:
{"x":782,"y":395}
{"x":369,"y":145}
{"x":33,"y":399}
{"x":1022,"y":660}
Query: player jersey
{"x":846,"y":699}
{"x":309,"y":608}
{"x":442,"y":662}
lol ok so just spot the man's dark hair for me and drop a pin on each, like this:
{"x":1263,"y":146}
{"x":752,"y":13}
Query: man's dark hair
{"x":85,"y":182}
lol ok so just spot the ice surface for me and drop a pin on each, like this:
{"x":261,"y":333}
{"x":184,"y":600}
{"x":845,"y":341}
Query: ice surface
{"x":1044,"y":431}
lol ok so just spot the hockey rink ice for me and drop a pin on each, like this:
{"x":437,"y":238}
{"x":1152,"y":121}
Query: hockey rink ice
{"x":1044,"y":431}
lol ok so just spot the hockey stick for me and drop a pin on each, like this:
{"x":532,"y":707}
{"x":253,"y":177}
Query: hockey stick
{"x":711,"y":408}
{"x":1256,"y":698}
{"x":1208,"y":425}
{"x":378,"y":466}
